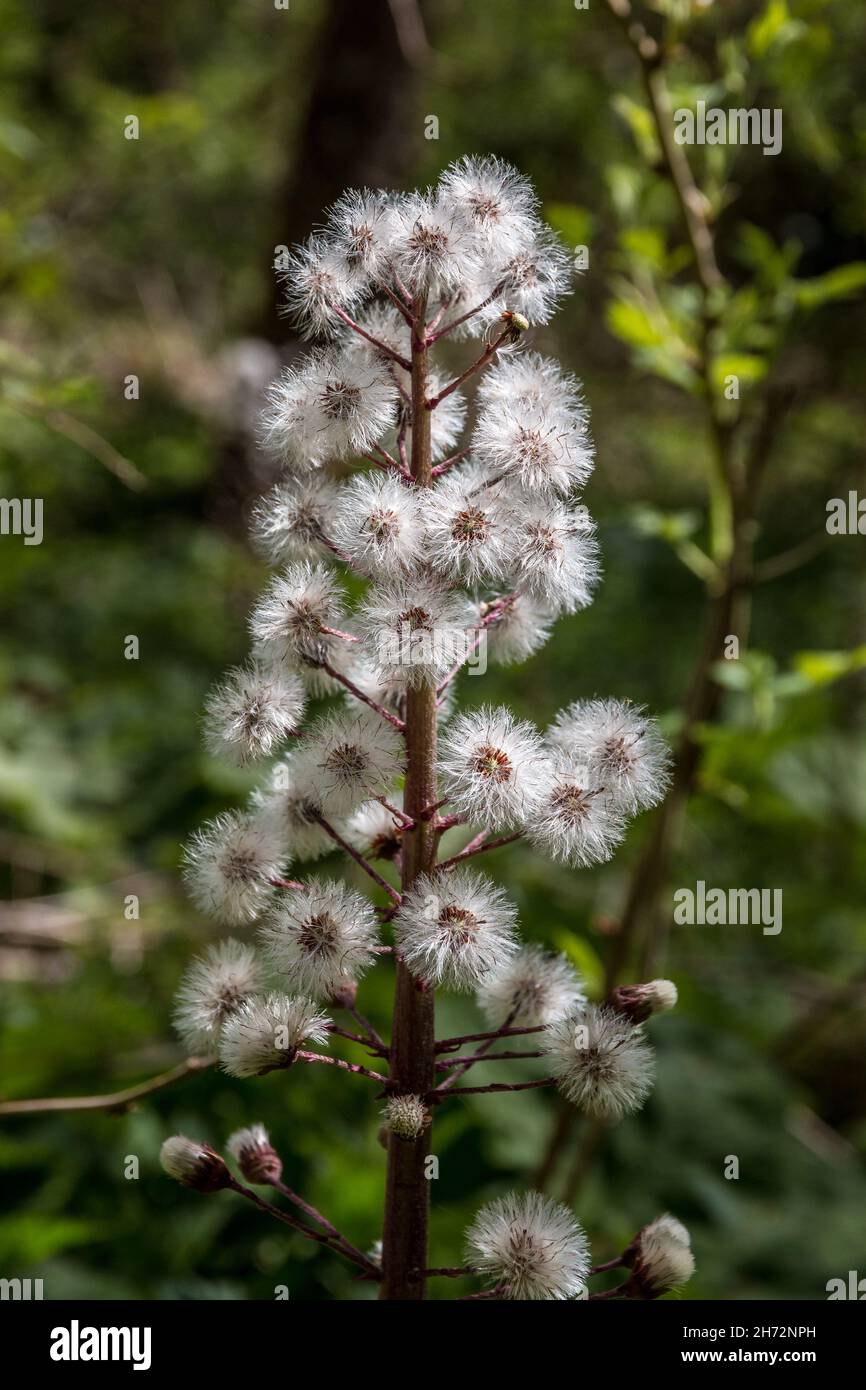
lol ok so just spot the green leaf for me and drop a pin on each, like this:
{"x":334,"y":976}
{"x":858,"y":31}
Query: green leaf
{"x":844,"y":282}
{"x":821,"y":668}
{"x":583,"y":956}
{"x":575,"y":224}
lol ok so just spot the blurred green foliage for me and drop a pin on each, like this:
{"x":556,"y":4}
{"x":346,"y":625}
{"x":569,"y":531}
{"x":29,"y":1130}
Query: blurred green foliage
{"x":152,"y":258}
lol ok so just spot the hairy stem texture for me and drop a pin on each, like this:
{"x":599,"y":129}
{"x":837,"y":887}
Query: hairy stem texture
{"x":407,"y":1193}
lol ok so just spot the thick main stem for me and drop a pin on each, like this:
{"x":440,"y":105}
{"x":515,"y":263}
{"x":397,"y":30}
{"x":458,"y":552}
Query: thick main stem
{"x":407,"y":1193}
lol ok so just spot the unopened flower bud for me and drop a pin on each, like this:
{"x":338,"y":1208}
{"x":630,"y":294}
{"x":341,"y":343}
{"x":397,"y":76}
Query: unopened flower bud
{"x":513,"y":324}
{"x":255,"y":1155}
{"x":659,"y":1257}
{"x":194,"y":1165}
{"x":343,"y":994}
{"x":406,"y":1116}
{"x":637,"y":1002}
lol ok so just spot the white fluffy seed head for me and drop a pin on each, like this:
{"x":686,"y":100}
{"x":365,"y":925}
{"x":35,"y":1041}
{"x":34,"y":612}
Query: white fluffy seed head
{"x":660,"y":1258}
{"x":490,"y":765}
{"x":415,"y":631}
{"x":406,"y":1116}
{"x":286,"y":623}
{"x":530,"y":1247}
{"x":265,"y":1033}
{"x":214,"y":986}
{"x":228,"y":865}
{"x":317,"y":276}
{"x":290,"y":805}
{"x":360,"y":227}
{"x":376,"y":523}
{"x":432,"y":251}
{"x":521,"y":629}
{"x":255,"y":1155}
{"x":603,"y":1063}
{"x":455,"y":929}
{"x":622,"y":746}
{"x":289,"y":522}
{"x":194,"y":1164}
{"x":374,"y":831}
{"x":252,"y":711}
{"x":496,"y":203}
{"x":526,"y":381}
{"x":353,"y":754}
{"x":533,"y":280}
{"x":468,"y":530}
{"x":334,"y":404}
{"x":318,"y":935}
{"x":533,"y":989}
{"x":543,"y":449}
{"x":555,"y":554}
{"x":574,"y":821}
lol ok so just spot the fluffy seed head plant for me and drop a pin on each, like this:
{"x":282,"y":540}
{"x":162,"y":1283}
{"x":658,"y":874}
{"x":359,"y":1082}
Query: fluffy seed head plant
{"x":660,"y":1258}
{"x":529,"y":1247}
{"x":407,"y":552}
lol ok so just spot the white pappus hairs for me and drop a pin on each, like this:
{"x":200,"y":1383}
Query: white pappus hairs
{"x":529,"y":1247}
{"x":213,"y":987}
{"x":376,"y":523}
{"x":354,"y":754}
{"x":317,"y":935}
{"x":490,"y":765}
{"x":455,"y":928}
{"x":265,"y":1033}
{"x":416,"y":630}
{"x":602,"y":1061}
{"x":534,"y":988}
{"x":252,"y":711}
{"x":621,"y":745}
{"x":229,"y":866}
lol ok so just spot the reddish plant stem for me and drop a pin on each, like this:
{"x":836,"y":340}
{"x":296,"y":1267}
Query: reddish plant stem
{"x":450,"y":1044}
{"x":484,"y":1056}
{"x":441,"y":1091}
{"x":407,"y":1191}
{"x":478,"y":365}
{"x":354,"y":1067}
{"x":464,"y":1063}
{"x":328,"y":1227}
{"x":455,"y":323}
{"x":472,"y":849}
{"x":368,"y":1028}
{"x":318,"y":1238}
{"x":359,"y":694}
{"x":377,"y":342}
{"x":359,"y":859}
{"x":357,"y":1038}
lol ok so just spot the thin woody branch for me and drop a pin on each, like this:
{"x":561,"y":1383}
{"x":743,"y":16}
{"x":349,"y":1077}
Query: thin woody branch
{"x":116,"y":1102}
{"x":478,"y":365}
{"x":359,"y":695}
{"x":376,"y":342}
{"x":359,"y":859}
{"x":472,"y":849}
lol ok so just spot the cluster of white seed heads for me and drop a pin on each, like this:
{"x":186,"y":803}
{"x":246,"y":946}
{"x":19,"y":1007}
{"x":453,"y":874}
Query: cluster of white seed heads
{"x":482,"y":561}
